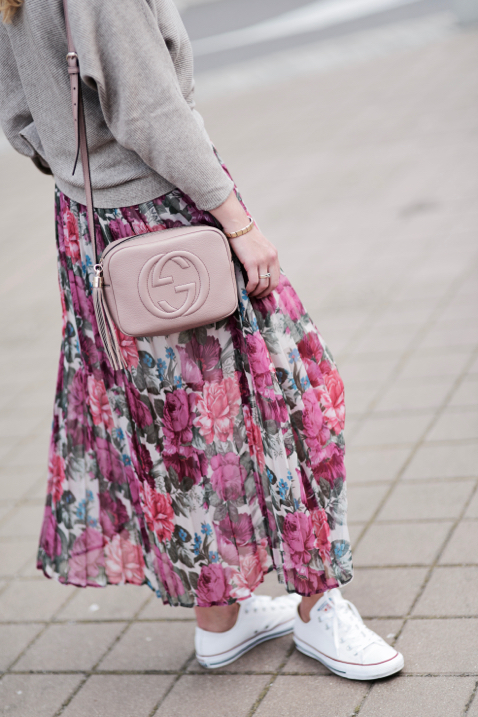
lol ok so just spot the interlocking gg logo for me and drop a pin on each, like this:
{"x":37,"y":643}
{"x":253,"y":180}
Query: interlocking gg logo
{"x":167,"y":277}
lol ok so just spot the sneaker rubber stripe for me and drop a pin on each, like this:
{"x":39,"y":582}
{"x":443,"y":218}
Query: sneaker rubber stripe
{"x":247,"y":644}
{"x":344,"y":662}
{"x":261,"y":638}
{"x":264,"y":632}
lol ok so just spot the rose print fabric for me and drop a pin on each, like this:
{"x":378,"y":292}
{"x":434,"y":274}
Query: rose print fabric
{"x":215,"y":458}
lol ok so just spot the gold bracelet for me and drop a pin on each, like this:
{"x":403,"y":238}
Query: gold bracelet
{"x":240,"y":232}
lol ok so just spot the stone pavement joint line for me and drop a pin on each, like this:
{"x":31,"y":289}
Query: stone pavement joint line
{"x":372,"y":207}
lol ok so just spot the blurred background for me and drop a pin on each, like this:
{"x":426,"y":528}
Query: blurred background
{"x":350,"y":127}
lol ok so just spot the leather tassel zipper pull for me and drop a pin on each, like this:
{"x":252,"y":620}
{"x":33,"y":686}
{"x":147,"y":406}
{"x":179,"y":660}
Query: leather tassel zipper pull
{"x":105,"y":323}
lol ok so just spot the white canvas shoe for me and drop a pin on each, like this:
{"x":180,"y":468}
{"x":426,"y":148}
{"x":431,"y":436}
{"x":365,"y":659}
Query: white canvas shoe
{"x":260,"y":618}
{"x":337,"y":637}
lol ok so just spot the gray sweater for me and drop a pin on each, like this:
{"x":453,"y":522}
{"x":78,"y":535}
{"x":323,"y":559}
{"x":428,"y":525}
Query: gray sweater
{"x":145,"y":137}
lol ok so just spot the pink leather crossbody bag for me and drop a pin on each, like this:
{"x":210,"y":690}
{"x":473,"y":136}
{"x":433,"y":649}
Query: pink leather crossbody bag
{"x":157,"y":283}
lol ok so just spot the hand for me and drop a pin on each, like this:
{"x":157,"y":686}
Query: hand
{"x":258,"y":256}
{"x":254,"y":251}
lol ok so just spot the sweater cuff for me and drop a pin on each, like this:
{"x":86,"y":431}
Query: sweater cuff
{"x":213,"y":198}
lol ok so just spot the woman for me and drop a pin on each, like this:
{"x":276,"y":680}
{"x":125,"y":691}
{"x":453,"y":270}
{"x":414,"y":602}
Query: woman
{"x":217,"y":455}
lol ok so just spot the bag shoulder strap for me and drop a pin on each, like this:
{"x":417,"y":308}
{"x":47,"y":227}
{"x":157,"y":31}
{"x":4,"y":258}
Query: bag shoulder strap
{"x":80,"y":127}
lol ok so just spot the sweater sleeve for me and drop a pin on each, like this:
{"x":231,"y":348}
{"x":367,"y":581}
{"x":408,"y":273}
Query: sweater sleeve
{"x":124,"y":57}
{"x":15,"y":117}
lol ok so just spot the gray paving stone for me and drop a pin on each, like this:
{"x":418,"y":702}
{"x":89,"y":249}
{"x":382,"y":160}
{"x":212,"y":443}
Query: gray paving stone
{"x":456,"y":460}
{"x":196,"y":695}
{"x":35,"y":695}
{"x":416,"y":501}
{"x":4,"y":510}
{"x":411,"y":696}
{"x":455,"y":424}
{"x":351,"y":426}
{"x":440,"y":646}
{"x":19,"y":425}
{"x":302,"y":696}
{"x":30,"y":600}
{"x":387,"y":629}
{"x":363,"y":501}
{"x":462,"y":546}
{"x":460,"y":309}
{"x":151,"y":646}
{"x":15,"y":483}
{"x":14,"y":554}
{"x":358,"y":397}
{"x":27,"y":454}
{"x":425,"y":363}
{"x":401,"y":544}
{"x":156,"y":610}
{"x":473,"y":710}
{"x":364,"y":369}
{"x":389,"y":430}
{"x":474,"y":368}
{"x":24,"y":521}
{"x":406,"y":394}
{"x":355,"y":531}
{"x":374,"y":464}
{"x":403,"y":312}
{"x":300,"y":664}
{"x":115,"y":602}
{"x":29,"y":569}
{"x":385,"y":338}
{"x":448,"y":333}
{"x":7,"y":445}
{"x":458,"y":584}
{"x":70,"y":646}
{"x":13,"y":640}
{"x":118,"y":696}
{"x":467,"y":392}
{"x":384,"y":592}
{"x":472,"y":510}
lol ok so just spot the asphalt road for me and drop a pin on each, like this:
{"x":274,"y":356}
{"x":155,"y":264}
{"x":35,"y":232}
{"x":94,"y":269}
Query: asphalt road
{"x":209,"y":19}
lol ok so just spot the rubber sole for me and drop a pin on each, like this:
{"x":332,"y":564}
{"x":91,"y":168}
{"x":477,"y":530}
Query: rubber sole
{"x":213,"y":662}
{"x":353,"y":672}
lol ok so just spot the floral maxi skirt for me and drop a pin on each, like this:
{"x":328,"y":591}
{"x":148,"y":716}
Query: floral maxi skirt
{"x":217,"y":455}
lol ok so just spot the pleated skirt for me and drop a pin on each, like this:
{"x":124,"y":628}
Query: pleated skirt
{"x":216,"y":457}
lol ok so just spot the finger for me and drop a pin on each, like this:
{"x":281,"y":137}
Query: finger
{"x":263,"y":291}
{"x":263,"y":282}
{"x":253,"y":279}
{"x":273,"y":281}
{"x":275,"y":278}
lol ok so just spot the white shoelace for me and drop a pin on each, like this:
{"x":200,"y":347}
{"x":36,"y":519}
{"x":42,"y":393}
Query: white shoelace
{"x":348,"y":628}
{"x":265,"y":602}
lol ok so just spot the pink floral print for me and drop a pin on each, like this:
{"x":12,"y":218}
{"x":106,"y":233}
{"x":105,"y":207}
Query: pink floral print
{"x":216,"y":457}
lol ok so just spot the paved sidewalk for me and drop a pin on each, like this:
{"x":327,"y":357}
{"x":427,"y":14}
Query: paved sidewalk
{"x":366,"y":177}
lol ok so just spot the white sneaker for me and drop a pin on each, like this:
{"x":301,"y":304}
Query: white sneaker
{"x":337,"y":637}
{"x":260,"y":618}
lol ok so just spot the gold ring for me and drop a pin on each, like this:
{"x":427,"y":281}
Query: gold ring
{"x":265,"y":276}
